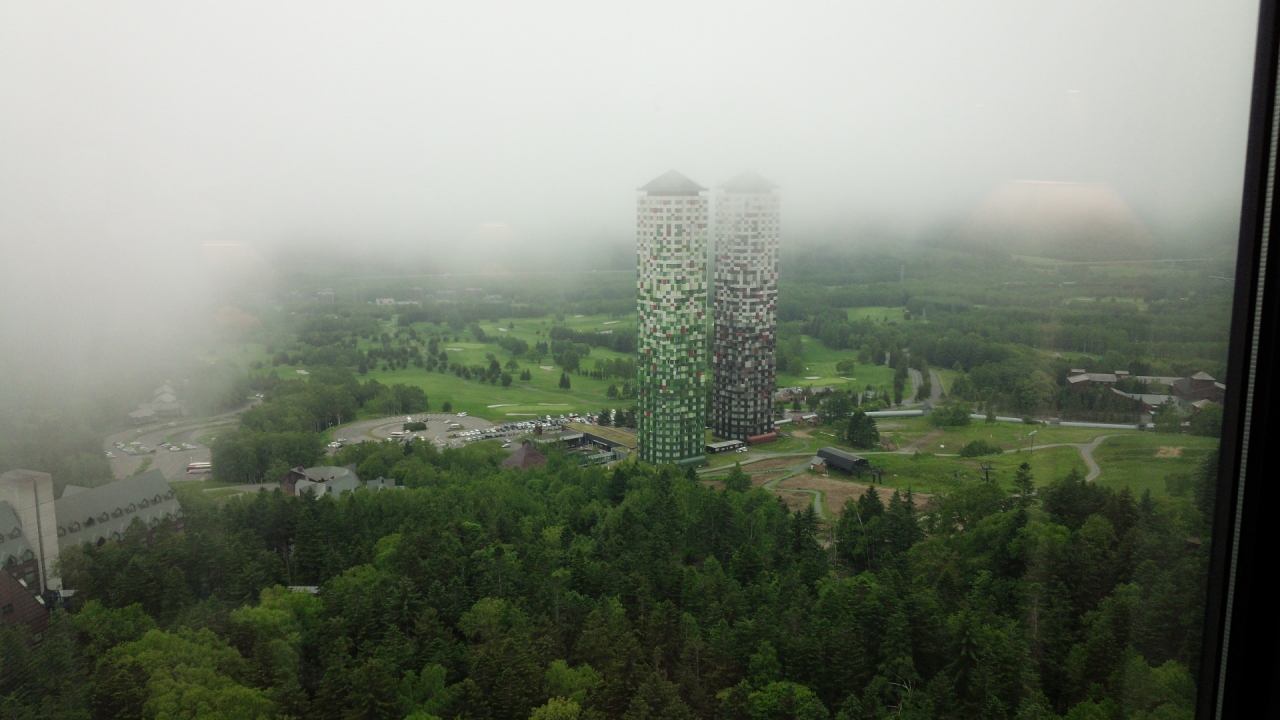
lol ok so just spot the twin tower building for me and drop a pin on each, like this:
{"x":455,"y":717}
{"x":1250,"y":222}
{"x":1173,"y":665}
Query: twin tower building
{"x":672,"y":328}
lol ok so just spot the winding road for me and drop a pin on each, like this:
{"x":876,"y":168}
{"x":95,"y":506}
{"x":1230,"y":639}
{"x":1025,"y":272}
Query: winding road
{"x":1086,"y":452}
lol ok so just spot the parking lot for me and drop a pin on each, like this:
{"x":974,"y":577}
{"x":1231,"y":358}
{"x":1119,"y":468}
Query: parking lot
{"x":173,"y":463}
{"x":440,"y":429}
{"x":382,"y":428}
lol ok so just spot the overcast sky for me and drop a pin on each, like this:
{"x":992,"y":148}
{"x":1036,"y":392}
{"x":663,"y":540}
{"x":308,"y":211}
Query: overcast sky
{"x":133,"y":133}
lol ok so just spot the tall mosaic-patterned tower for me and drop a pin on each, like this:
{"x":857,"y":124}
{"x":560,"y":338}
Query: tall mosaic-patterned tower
{"x":746,"y":302}
{"x":671,"y":322}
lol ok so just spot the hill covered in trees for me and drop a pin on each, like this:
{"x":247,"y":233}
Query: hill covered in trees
{"x":636,"y":592}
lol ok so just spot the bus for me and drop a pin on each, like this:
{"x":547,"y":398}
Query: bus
{"x":199,"y":467}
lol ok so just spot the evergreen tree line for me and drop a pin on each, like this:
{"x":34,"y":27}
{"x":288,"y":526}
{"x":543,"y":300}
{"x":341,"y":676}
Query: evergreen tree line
{"x":630,"y":592}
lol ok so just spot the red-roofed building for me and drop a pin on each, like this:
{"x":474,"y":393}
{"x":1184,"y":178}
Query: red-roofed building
{"x":526,"y":456}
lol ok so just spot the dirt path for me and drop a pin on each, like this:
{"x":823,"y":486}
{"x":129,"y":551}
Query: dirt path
{"x":795,"y":470}
{"x":1086,"y":452}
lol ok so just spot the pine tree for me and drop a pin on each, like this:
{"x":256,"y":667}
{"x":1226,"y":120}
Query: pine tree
{"x":736,"y":480}
{"x":1025,"y":482}
{"x":862,"y":431}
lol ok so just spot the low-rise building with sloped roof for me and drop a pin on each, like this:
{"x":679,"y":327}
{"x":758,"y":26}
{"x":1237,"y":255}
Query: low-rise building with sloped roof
{"x":101,"y":514}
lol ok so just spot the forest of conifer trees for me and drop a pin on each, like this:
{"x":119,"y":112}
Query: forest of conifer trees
{"x":635,"y":592}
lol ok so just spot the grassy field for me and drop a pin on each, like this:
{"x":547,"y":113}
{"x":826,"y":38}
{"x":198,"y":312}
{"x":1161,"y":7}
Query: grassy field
{"x":542,"y":395}
{"x":1009,"y":436}
{"x":1141,"y":461}
{"x":524,"y":399}
{"x":877,"y":314}
{"x":820,"y":369}
{"x":933,"y":474}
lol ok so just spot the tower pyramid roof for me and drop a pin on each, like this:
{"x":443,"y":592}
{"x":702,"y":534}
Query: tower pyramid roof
{"x":748,"y":182}
{"x":672,"y":183}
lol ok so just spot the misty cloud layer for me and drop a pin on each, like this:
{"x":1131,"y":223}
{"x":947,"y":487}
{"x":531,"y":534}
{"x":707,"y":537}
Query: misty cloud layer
{"x":133,"y":134}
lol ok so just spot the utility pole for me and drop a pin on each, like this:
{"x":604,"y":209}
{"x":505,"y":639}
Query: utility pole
{"x":902,"y":273}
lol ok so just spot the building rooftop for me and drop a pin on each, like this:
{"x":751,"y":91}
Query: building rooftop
{"x":618,"y":436}
{"x":831,"y":452}
{"x":13,"y":544}
{"x":525,"y":457}
{"x":672,"y":183}
{"x":325,"y":473}
{"x":106,"y":511}
{"x":748,"y":182}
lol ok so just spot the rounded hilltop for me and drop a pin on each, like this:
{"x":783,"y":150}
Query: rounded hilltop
{"x":1061,"y":220}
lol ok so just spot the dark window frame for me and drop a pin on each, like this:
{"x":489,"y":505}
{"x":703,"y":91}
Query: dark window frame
{"x":1240,"y":667}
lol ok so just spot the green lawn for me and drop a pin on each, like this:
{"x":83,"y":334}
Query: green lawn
{"x":932,"y":474}
{"x":1134,"y":461}
{"x":1140,"y":303}
{"x":1013,"y":436}
{"x":524,"y":399}
{"x":820,"y":363}
{"x":876,"y":314}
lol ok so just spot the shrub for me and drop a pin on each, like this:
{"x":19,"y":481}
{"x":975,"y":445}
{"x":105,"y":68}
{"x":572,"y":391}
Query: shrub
{"x":978,"y":448}
{"x":952,"y":416}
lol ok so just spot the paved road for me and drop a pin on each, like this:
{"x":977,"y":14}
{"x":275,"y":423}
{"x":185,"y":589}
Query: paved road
{"x":179,"y":430}
{"x":917,"y":379}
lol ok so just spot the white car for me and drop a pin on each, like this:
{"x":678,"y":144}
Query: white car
{"x":462,"y":414}
{"x":174,"y":448}
{"x":111,"y":456}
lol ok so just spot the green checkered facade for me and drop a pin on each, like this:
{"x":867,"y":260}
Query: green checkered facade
{"x":671,"y":332}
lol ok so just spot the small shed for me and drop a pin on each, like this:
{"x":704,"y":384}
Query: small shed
{"x":725,"y":446}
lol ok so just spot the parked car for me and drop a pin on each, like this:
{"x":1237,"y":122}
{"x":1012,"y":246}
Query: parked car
{"x":111,"y":456}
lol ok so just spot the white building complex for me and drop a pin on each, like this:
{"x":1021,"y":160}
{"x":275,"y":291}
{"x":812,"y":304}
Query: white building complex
{"x":746,"y":307}
{"x":671,"y":322}
{"x":35,"y":528}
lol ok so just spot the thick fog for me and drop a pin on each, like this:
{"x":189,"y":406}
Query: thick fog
{"x":157,"y":158}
